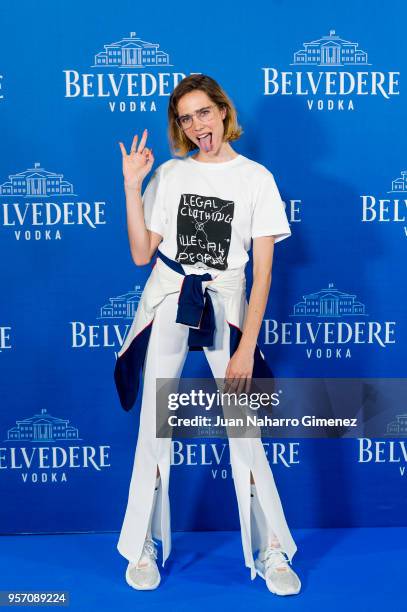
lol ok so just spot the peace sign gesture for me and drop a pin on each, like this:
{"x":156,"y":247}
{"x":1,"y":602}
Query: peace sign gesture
{"x":138,"y":163}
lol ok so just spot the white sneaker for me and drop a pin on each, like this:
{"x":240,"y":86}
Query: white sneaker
{"x":271,"y":564}
{"x":145,"y":575}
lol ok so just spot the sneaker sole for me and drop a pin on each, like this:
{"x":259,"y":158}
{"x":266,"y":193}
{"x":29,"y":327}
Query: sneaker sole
{"x":138,"y":587}
{"x":259,"y":569}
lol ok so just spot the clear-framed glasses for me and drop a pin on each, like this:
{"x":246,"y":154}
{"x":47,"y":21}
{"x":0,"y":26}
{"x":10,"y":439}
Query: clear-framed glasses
{"x":204,"y":114}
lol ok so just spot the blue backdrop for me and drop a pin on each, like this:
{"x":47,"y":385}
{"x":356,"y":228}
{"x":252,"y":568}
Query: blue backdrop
{"x":320,"y":94}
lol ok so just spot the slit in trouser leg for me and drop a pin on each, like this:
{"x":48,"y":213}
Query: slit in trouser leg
{"x":273,"y":550}
{"x":145,"y":575}
{"x":269,"y":508}
{"x":240,"y":462}
{"x":161,"y":522}
{"x":135,"y":542}
{"x":262,"y":534}
{"x":139,"y":506}
{"x":157,"y":484}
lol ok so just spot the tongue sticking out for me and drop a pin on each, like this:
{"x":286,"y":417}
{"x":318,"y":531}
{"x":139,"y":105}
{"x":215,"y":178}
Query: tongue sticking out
{"x":205,"y":143}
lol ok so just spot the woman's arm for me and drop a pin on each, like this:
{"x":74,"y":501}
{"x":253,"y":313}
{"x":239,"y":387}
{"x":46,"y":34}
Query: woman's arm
{"x":136,"y":165}
{"x":143,"y":242}
{"x":242,"y":362}
{"x":263,"y":249}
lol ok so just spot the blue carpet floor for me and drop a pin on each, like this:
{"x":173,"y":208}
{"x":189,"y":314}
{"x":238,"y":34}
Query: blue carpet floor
{"x":340,"y":569}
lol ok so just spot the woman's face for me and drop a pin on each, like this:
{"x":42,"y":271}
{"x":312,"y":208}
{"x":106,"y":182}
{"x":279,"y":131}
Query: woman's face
{"x":197,"y":101}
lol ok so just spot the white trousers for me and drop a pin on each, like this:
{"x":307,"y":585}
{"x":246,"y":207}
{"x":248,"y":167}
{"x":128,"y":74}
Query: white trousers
{"x":166,"y":354}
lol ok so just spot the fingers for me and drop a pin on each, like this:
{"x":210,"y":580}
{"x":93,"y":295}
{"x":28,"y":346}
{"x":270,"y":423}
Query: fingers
{"x":231,"y":382}
{"x":123,"y":150}
{"x":248,"y":384}
{"x":134,"y":144}
{"x":142,"y":142}
{"x":134,"y":148}
{"x":148,"y":155}
{"x":237,"y":383}
{"x":240,"y":385}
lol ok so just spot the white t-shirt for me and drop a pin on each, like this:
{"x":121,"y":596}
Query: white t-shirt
{"x":208,"y":213}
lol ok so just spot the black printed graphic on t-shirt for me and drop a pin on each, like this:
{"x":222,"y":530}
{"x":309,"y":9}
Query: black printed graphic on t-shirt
{"x":204,"y":228}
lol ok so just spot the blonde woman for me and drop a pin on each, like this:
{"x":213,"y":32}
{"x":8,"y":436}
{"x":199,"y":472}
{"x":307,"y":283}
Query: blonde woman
{"x":199,"y":214}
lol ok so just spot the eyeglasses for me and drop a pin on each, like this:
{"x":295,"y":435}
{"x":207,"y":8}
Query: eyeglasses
{"x":203,"y":114}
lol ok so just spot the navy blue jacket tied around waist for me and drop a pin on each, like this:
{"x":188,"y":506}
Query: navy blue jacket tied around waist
{"x":195,"y":309}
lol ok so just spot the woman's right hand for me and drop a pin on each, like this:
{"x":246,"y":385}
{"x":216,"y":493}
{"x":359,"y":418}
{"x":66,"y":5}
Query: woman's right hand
{"x":138,"y":163}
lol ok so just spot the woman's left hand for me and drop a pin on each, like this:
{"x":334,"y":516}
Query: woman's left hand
{"x":239,"y":371}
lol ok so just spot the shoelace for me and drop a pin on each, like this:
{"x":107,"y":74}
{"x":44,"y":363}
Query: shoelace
{"x":149,"y":550}
{"x":274,"y":557}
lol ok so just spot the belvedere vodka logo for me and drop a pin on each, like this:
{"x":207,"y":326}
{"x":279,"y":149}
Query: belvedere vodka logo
{"x":390,"y":210}
{"x":392,"y":452}
{"x":37,"y":204}
{"x":130,"y":74}
{"x":330,"y":73}
{"x":215,"y":456}
{"x":44,"y":449}
{"x":330,"y":324}
{"x":112,"y":333}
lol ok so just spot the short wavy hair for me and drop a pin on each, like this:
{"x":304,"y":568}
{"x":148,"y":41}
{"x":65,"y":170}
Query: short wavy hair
{"x":180,"y":144}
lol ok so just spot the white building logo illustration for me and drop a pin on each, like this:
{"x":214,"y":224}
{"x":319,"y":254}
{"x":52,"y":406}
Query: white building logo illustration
{"x":387,"y":211}
{"x":399,"y":184}
{"x":132,"y":52}
{"x":39,"y":220}
{"x":122,"y":306}
{"x":42,"y":427}
{"x":330,"y":51}
{"x":331,"y":74}
{"x":399,"y":426}
{"x":36,"y":182}
{"x":329,"y":302}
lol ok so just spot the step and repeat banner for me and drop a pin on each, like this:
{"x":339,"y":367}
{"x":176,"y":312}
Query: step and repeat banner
{"x":320,"y":92}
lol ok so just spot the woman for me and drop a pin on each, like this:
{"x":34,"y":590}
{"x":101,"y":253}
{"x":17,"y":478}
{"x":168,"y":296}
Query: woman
{"x":202,"y":211}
